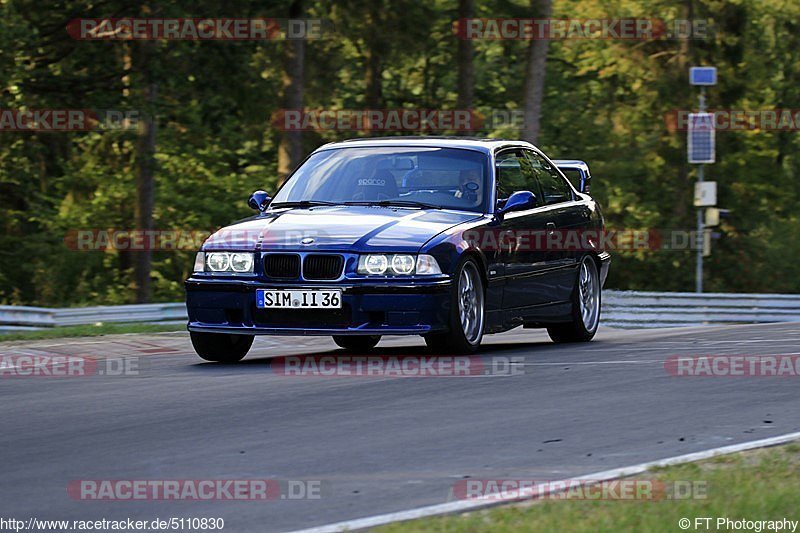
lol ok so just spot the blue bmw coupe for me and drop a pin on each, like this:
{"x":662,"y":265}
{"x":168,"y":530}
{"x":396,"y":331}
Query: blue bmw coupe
{"x":446,"y":238}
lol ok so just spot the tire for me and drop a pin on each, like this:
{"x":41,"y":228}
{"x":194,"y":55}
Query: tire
{"x":357,"y":343}
{"x":221,"y":347}
{"x":586,"y":299}
{"x":467,"y":313}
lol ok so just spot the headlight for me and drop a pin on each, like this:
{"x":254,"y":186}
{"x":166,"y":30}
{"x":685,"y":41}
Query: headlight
{"x":373,"y":264}
{"x":200,"y":262}
{"x":397,"y":265}
{"x":242,"y":262}
{"x":236,"y":262}
{"x":403,"y":264}
{"x":218,"y":261}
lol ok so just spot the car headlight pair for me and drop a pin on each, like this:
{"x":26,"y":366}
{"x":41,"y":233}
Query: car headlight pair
{"x":237,"y":262}
{"x":397,"y":265}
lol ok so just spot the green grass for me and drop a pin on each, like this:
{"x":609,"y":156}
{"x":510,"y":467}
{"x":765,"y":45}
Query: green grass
{"x":759,"y":485}
{"x":89,"y":331}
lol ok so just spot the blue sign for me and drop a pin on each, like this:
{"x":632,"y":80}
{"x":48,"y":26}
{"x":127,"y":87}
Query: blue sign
{"x":703,"y":75}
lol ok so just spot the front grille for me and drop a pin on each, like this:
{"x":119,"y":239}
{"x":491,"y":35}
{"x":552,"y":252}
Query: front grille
{"x":282,"y":266}
{"x":322,"y":266}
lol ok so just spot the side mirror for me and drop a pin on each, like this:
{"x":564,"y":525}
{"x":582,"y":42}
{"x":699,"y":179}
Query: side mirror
{"x":259,"y":201}
{"x":519,"y":201}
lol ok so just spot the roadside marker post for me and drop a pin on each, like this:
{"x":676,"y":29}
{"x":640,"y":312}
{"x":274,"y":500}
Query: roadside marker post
{"x":701,"y":150}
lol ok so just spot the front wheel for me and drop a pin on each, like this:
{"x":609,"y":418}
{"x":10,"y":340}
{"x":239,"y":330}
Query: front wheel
{"x":585,"y":307}
{"x":466,"y":314}
{"x":221,"y":347}
{"x":357,"y":343}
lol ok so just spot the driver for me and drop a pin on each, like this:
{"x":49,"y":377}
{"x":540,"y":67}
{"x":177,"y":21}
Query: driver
{"x":469,"y":184}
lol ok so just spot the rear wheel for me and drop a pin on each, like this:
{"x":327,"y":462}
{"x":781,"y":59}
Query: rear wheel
{"x":221,"y":347}
{"x":466,"y":314}
{"x":585,"y":307}
{"x":357,"y":343}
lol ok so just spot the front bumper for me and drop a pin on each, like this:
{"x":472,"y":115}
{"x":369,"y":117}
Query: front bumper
{"x":374,"y":308}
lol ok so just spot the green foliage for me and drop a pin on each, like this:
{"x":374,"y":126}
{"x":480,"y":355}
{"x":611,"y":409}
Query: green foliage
{"x":605,"y":102}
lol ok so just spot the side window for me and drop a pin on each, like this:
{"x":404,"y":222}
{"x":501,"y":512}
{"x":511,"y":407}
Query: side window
{"x":514,"y":173}
{"x":555,"y":189}
{"x":574,"y":177}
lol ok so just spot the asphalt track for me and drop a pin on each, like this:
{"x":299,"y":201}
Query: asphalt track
{"x":373,"y":445}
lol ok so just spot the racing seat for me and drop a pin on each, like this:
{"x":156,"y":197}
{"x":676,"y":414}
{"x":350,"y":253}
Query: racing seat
{"x":381,"y":186}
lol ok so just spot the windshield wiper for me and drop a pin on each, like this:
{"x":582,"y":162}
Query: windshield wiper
{"x":303,"y":203}
{"x":397,"y":203}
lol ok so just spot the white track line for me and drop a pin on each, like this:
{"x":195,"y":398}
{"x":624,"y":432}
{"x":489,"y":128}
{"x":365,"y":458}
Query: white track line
{"x":527,"y":493}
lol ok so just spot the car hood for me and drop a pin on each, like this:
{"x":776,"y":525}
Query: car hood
{"x":338,"y":228}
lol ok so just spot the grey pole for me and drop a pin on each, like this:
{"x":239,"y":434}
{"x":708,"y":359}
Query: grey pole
{"x":700,"y":237}
{"x":700,"y":225}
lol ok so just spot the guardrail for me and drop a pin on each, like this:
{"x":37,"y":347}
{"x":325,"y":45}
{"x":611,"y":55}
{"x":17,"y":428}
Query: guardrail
{"x":16,"y":318}
{"x":623,"y":309}
{"x":633,"y":309}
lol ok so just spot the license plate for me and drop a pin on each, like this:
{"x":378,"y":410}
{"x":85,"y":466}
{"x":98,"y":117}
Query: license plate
{"x":299,"y":299}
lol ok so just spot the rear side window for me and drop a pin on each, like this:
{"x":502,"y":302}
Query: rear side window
{"x":574,"y":176}
{"x":555,"y":189}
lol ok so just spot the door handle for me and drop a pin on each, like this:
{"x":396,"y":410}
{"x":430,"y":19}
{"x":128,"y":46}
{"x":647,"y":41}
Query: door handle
{"x":551,"y":228}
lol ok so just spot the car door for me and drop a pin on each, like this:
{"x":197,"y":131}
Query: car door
{"x":565,"y":219}
{"x":524,"y":261}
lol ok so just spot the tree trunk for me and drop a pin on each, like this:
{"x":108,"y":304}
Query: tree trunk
{"x":290,"y":150}
{"x":145,"y":192}
{"x":687,"y":56}
{"x":534,"y":76}
{"x":373,"y":58}
{"x":466,"y":75}
{"x":141,"y":63}
{"x":373,"y":79}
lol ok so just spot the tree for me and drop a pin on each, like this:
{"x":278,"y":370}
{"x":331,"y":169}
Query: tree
{"x":290,"y":150}
{"x":466,"y":75}
{"x":534,"y":76}
{"x":145,"y":165}
{"x":203,"y":145}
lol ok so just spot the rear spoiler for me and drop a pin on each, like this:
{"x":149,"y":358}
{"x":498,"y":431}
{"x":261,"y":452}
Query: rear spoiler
{"x":578,"y":167}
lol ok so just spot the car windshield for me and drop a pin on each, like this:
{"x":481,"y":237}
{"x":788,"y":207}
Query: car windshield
{"x":445,"y":178}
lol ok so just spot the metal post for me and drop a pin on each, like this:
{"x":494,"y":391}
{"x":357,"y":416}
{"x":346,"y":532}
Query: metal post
{"x":700,"y":225}
{"x":700,"y":237}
